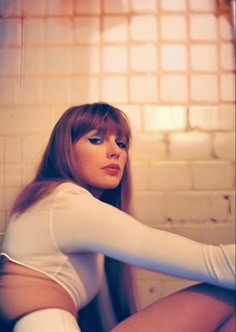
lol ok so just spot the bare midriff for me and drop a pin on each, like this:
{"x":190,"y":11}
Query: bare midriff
{"x":23,"y":290}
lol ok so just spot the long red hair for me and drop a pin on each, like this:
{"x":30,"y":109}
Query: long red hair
{"x":58,"y":165}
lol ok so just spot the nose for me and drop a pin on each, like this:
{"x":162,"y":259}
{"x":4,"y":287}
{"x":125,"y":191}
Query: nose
{"x":113,"y":150}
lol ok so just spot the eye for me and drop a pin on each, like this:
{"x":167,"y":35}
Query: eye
{"x":122,"y":144}
{"x":95,"y":140}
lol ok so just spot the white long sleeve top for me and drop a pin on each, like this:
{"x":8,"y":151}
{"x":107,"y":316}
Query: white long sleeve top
{"x":66,"y":235}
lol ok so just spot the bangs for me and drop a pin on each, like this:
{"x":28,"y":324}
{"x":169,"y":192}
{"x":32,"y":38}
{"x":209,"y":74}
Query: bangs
{"x":103,"y":117}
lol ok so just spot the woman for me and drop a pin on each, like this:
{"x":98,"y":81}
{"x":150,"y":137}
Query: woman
{"x":74,"y":213}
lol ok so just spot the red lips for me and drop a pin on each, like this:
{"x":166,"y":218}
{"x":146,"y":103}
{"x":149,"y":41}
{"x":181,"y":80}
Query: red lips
{"x":112,"y":169}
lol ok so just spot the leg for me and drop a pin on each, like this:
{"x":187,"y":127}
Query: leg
{"x":197,"y":308}
{"x":47,"y":320}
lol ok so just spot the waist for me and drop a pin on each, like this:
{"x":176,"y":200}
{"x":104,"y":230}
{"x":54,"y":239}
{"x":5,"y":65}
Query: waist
{"x":23,"y":290}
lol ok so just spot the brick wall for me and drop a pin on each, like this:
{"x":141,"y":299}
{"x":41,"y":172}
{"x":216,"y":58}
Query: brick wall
{"x":168,"y":64}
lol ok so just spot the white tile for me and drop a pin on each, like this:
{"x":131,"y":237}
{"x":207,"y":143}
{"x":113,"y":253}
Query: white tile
{"x":143,"y":88}
{"x":115,"y":89}
{"x":227,"y":56}
{"x":204,"y":87}
{"x":115,"y":59}
{"x":12,"y":31}
{"x":10,"y":61}
{"x":139,"y":55}
{"x":32,"y":90}
{"x":10,"y":8}
{"x":169,"y":91}
{"x":56,"y":90}
{"x":87,"y":7}
{"x":149,"y":147}
{"x":116,"y":7}
{"x":226,"y":31}
{"x":9,"y":92}
{"x":58,"y":7}
{"x":12,"y":175}
{"x":134,"y":115}
{"x":115,"y":29}
{"x":59,"y":31}
{"x":85,"y":60}
{"x":143,"y":27}
{"x":143,"y":6}
{"x":34,"y":31}
{"x":34,"y":7}
{"x":32,"y":148}
{"x":58,"y":60}
{"x":33,"y":61}
{"x":203,"y":5}
{"x":173,"y":5}
{"x":178,"y":62}
{"x":204,"y":57}
{"x":203,"y":27}
{"x":227,"y":82}
{"x":86,"y":30}
{"x":173,"y":27}
{"x":13,"y":147}
{"x":89,"y":90}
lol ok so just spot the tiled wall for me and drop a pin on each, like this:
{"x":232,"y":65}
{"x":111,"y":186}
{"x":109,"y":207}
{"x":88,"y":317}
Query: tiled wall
{"x":169,"y":64}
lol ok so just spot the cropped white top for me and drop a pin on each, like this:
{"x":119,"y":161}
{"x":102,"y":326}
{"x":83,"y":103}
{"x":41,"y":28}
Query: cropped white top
{"x":66,"y":234}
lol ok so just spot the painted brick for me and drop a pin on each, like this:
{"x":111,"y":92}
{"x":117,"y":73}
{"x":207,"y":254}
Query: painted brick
{"x":170,"y":176}
{"x":140,"y":175}
{"x":10,"y":31}
{"x":12,"y":149}
{"x":168,"y":89}
{"x":59,"y":31}
{"x":173,"y":27}
{"x":115,"y":59}
{"x":224,"y":146}
{"x":115,"y":29}
{"x":227,"y":89}
{"x":204,"y":87}
{"x":149,"y":147}
{"x":114,"y":88}
{"x":137,"y":32}
{"x":139,"y":55}
{"x":212,"y":118}
{"x":134,"y":115}
{"x":190,"y":146}
{"x":143,"y":89}
{"x":86,"y":30}
{"x":164,"y":118}
{"x":83,"y":90}
{"x":12,"y":175}
{"x":197,"y":207}
{"x":212,"y":175}
{"x":149,"y":207}
{"x":176,"y":63}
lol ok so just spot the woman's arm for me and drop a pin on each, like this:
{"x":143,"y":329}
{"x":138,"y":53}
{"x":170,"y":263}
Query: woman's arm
{"x":81,"y":222}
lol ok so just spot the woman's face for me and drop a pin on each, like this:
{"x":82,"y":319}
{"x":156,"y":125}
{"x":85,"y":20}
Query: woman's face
{"x":100,"y":159}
